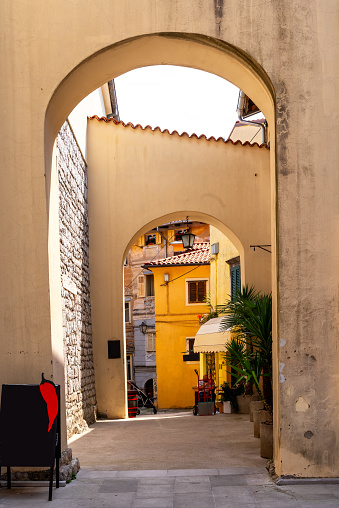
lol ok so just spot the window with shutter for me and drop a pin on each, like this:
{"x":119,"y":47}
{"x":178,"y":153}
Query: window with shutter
{"x":141,"y":286}
{"x":141,"y":241}
{"x":150,"y":342}
{"x":201,"y":290}
{"x":235,"y":281}
{"x":192,"y":291}
{"x":149,"y":285}
{"x":196,"y":291}
{"x":170,"y":235}
{"x":127,"y":312}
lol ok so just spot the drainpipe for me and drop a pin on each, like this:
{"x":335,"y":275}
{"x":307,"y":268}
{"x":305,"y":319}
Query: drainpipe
{"x":240,"y":111}
{"x":165,"y":241}
{"x":114,"y":101}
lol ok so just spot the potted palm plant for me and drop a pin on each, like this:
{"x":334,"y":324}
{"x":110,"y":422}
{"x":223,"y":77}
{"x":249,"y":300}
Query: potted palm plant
{"x":249,"y":353}
{"x":229,"y":397}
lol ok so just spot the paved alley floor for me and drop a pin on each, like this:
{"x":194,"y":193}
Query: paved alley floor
{"x":172,"y":460}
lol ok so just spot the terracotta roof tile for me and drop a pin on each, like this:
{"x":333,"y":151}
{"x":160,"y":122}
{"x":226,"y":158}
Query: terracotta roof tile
{"x":200,"y":254}
{"x":166,"y":131}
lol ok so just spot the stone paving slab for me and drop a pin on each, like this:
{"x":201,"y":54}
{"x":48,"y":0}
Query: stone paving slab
{"x":173,"y":489}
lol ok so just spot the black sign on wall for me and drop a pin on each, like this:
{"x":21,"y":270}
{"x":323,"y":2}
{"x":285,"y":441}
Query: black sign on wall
{"x":114,"y":349}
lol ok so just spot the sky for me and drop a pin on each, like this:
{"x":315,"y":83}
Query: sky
{"x":177,"y":98}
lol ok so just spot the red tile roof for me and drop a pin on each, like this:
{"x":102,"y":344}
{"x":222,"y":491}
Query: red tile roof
{"x":200,"y":254}
{"x":166,"y":131}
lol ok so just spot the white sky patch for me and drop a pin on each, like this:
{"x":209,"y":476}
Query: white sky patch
{"x":177,"y":98}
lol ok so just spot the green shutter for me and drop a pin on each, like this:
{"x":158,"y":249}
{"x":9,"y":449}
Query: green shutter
{"x":235,"y":280}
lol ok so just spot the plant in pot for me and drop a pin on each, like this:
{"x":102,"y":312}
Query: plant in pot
{"x":246,"y":370}
{"x":249,"y":353}
{"x":229,"y":397}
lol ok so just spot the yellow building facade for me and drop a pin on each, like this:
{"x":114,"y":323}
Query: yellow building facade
{"x":180,"y":285}
{"x":210,"y":344}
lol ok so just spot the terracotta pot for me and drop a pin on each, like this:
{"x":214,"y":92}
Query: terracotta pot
{"x":244,"y":403}
{"x":260,"y":416}
{"x":255,"y":405}
{"x":266,"y":440}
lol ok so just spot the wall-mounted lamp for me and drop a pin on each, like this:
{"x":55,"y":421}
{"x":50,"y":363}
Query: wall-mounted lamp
{"x":166,"y":277}
{"x":187,"y":238}
{"x":143,"y":327}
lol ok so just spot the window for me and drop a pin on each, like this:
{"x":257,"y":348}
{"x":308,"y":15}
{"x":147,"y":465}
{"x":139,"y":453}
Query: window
{"x":146,"y":285}
{"x":150,"y":342}
{"x":190,"y":344}
{"x":196,"y":291}
{"x":150,"y":239}
{"x":235,"y":280}
{"x":129,"y":370}
{"x":150,"y":285}
{"x":179,"y":233}
{"x":127,"y":312}
{"x":141,"y":286}
{"x":235,"y":275}
{"x":190,"y":355}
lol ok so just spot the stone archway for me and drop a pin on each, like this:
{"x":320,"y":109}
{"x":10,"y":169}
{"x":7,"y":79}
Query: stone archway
{"x":59,"y":66}
{"x":223,"y":60}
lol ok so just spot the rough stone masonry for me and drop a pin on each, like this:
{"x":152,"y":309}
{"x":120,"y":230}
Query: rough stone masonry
{"x":75,"y":282}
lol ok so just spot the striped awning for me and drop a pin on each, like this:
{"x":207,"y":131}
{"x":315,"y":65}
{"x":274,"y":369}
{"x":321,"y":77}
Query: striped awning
{"x":210,"y":339}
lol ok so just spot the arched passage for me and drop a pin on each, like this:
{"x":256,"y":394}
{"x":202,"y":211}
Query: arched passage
{"x":170,"y":318}
{"x":192,"y":50}
{"x":43,"y":53}
{"x":137,"y":174}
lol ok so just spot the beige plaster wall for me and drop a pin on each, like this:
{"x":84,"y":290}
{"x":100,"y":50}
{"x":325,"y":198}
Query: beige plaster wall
{"x":135,"y":173}
{"x":283,"y":55}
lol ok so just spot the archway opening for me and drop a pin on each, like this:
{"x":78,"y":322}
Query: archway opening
{"x":178,"y":51}
{"x":170,"y":292}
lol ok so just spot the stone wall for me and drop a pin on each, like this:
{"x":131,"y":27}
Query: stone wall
{"x":74,"y":254}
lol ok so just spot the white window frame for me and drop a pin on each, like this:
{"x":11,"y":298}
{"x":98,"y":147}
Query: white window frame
{"x":188,"y":304}
{"x":128,"y":302}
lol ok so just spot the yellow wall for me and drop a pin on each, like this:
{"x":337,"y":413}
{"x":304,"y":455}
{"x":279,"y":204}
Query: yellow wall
{"x":220,"y":286}
{"x":175,"y":320}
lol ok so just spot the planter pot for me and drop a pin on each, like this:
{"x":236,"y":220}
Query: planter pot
{"x":260,"y":416}
{"x":255,"y":405}
{"x":244,"y":403}
{"x":227,"y":407}
{"x":266,"y":440}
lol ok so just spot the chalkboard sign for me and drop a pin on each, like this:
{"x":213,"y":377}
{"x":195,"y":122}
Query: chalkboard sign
{"x":24,"y":422}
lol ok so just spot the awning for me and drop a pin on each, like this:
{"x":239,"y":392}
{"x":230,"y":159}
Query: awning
{"x":210,"y":339}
